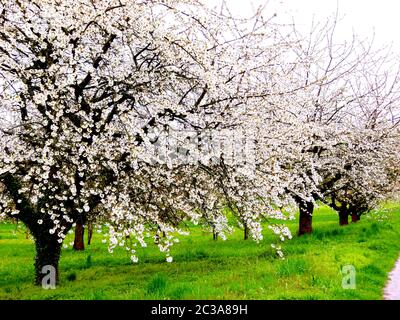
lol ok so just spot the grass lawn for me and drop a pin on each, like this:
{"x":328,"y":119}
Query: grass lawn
{"x":207,"y":269}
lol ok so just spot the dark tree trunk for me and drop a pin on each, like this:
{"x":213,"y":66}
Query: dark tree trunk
{"x":215,"y":235}
{"x":343,"y":217}
{"x":16,"y":227}
{"x":305,"y":221}
{"x":48,"y":252}
{"x":48,"y":247}
{"x":246,"y":232}
{"x":355,"y":217}
{"x":90,"y":233}
{"x":79,"y":242}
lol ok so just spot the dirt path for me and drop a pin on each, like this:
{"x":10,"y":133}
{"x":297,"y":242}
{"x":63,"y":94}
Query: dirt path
{"x":392,"y":289}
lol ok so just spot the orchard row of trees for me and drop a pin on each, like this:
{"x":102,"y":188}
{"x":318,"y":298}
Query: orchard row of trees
{"x":94,"y":93}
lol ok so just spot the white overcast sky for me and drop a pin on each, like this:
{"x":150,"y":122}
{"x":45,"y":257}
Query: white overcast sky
{"x":365,"y":17}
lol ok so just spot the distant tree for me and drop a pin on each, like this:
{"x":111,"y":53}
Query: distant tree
{"x":350,"y":92}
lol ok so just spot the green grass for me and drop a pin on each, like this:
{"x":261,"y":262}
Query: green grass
{"x":207,"y":269}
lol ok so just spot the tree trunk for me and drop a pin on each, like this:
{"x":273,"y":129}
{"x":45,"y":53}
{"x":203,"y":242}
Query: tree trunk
{"x":90,"y":233}
{"x":79,"y":242}
{"x":246,"y":232}
{"x":16,"y":228}
{"x":48,"y":252}
{"x":343,"y":217}
{"x":215,"y":236}
{"x":305,"y":220}
{"x":355,"y":217}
